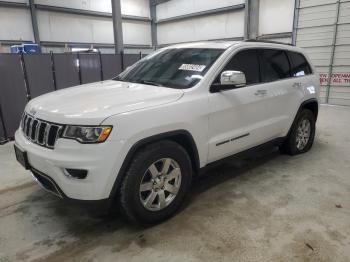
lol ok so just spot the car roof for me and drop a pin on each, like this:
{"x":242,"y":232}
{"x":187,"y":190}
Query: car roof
{"x":227,"y":44}
{"x":205,"y":44}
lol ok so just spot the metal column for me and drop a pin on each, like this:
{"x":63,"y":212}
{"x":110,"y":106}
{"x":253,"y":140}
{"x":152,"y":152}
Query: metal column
{"x":251,"y":24}
{"x":117,"y":26}
{"x":153,"y":12}
{"x":334,"y":41}
{"x":295,"y":21}
{"x":34,"y":22}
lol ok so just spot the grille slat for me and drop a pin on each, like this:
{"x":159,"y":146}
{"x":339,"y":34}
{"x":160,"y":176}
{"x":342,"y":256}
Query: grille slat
{"x":23,"y":121}
{"x":40,"y":132}
{"x":33,"y":128}
{"x":26,"y":131}
{"x":37,"y":131}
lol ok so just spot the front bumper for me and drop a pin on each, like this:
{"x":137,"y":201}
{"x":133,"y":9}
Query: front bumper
{"x":102,"y":161}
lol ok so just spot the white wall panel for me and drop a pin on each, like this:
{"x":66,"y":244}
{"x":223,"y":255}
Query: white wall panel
{"x":226,"y":25}
{"x":344,"y":12}
{"x":15,"y":24}
{"x":317,"y":16}
{"x":340,"y":89}
{"x":92,"y":5}
{"x":317,"y":39}
{"x":343,"y":35}
{"x":102,"y":31}
{"x":136,"y":32}
{"x":135,"y":7}
{"x":342,"y":56}
{"x":62,"y":27}
{"x":128,"y":7}
{"x":101,"y":5}
{"x":309,"y":3}
{"x":320,"y":56}
{"x":275,"y":16}
{"x":181,"y":7}
{"x":315,"y":36}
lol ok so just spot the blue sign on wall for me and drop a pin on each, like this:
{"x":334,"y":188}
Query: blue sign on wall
{"x":25,"y":48}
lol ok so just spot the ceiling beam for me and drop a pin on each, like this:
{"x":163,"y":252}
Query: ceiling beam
{"x":202,"y":13}
{"x":157,"y":2}
{"x":13,"y":4}
{"x":209,"y":40}
{"x":277,"y":35}
{"x":87,"y":45}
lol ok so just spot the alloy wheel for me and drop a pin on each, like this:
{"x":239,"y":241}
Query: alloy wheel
{"x":303,"y":134}
{"x":160,"y":184}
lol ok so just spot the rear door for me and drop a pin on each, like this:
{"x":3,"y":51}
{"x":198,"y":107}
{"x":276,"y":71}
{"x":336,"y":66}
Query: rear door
{"x":302,"y":84}
{"x":277,"y":81}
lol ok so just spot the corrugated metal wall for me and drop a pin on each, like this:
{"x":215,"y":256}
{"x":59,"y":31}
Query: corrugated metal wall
{"x":222,"y":25}
{"x":62,"y":27}
{"x":276,"y":20}
{"x":324,"y":31}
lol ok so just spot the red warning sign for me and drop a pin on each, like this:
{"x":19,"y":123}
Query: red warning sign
{"x":340,"y":79}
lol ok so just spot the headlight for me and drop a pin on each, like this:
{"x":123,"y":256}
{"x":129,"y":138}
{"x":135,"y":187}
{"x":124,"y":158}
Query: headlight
{"x":87,"y":134}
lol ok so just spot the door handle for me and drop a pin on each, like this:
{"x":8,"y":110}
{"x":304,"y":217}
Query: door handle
{"x":260,"y":92}
{"x":296,"y":85}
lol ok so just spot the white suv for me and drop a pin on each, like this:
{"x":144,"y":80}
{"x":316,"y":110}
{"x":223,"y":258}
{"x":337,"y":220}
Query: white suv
{"x":139,"y":138}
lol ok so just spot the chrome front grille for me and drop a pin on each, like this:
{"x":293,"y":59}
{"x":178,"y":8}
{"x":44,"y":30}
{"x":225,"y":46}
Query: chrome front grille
{"x":40,"y":132}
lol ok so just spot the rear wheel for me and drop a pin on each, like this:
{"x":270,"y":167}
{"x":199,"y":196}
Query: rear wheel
{"x":301,"y":135}
{"x":156,"y":183}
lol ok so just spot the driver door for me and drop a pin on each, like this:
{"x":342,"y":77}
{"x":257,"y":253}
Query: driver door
{"x":239,"y":117}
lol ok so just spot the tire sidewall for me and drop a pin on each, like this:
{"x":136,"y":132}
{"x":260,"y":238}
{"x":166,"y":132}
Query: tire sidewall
{"x":305,"y":114}
{"x":136,"y":172}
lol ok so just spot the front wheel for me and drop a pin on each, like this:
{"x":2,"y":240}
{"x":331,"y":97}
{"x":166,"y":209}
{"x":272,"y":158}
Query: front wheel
{"x":302,"y":134}
{"x":156,"y":183}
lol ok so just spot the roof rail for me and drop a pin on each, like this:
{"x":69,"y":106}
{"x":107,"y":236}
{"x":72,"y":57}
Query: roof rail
{"x":267,"y":41}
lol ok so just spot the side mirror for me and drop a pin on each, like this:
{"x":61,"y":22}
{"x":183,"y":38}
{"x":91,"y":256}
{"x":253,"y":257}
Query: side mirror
{"x":233,"y":78}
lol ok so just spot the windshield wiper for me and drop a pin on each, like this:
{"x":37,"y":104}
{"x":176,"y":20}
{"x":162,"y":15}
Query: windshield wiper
{"x":149,"y":83}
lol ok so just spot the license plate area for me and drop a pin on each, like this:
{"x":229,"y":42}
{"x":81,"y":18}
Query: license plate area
{"x":22,"y":157}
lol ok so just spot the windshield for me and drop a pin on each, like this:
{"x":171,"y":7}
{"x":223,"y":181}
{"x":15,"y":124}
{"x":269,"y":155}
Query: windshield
{"x":175,"y":68}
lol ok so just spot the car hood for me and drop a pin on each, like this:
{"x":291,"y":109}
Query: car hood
{"x":92,"y":103}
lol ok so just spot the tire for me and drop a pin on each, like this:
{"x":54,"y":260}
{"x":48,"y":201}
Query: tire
{"x":133,"y":202}
{"x":291,"y":146}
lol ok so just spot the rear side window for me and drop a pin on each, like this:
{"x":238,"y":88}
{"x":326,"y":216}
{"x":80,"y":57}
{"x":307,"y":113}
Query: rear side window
{"x":247,"y":62}
{"x":274,"y":65}
{"x":299,"y":64}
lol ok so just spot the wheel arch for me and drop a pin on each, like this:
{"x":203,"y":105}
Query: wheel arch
{"x":311,"y":104}
{"x":182,"y":137}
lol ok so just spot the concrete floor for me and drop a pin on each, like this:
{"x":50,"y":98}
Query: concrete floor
{"x":269,"y":208}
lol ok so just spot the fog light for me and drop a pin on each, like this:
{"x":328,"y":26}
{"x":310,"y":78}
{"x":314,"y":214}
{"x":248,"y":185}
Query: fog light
{"x":76,"y":173}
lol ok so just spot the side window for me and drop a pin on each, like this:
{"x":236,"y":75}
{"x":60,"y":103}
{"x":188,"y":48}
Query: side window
{"x":274,"y":65}
{"x":245,"y":61}
{"x":299,"y":64}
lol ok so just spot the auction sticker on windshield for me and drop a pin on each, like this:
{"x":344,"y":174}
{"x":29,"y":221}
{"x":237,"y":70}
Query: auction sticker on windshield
{"x":192,"y":67}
